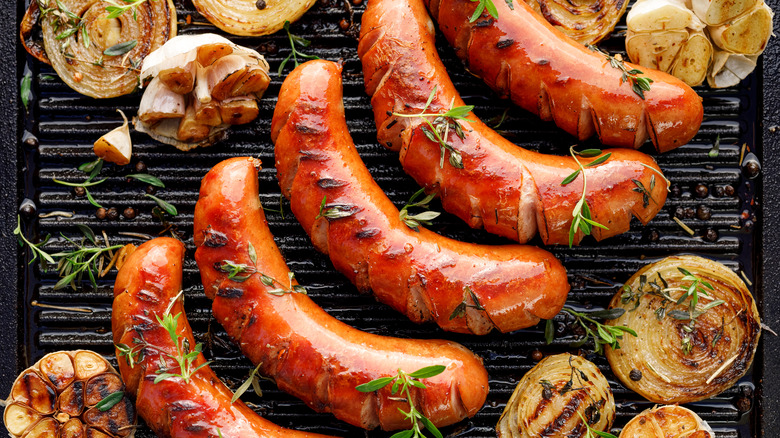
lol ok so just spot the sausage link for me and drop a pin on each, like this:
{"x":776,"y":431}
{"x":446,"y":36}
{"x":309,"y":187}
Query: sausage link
{"x":506,"y":189}
{"x":148,"y":283}
{"x":419,"y":273}
{"x":523,"y":57}
{"x":310,"y":354}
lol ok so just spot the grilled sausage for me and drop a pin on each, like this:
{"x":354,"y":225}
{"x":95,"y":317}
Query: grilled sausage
{"x":522,"y":56}
{"x":148,"y":283}
{"x":310,"y":354}
{"x":419,"y":273}
{"x":507,"y":190}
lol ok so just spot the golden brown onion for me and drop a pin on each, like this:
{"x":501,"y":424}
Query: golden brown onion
{"x":585,"y":21}
{"x":77,"y":33}
{"x":252,"y":17}
{"x":672,"y":360}
{"x":63,"y":393}
{"x":550,"y":398}
{"x":667,"y":421}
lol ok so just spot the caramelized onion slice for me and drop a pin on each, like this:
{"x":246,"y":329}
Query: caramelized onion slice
{"x":677,"y":363}
{"x":585,"y":21}
{"x":77,"y":48}
{"x":554,"y":394}
{"x":252,"y":17}
{"x":666,"y":421}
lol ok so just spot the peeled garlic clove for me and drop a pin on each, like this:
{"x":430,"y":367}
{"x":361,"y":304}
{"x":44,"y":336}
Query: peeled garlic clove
{"x":729,"y":69}
{"x":72,"y":428}
{"x":238,"y":111}
{"x":254,"y":81}
{"x":46,"y":428}
{"x":178,"y":51}
{"x":223,"y":75}
{"x":71,"y":401}
{"x":58,"y":367}
{"x":665,"y":421}
{"x":94,"y":433}
{"x":98,"y":386}
{"x":693,"y":60}
{"x":717,"y":12}
{"x":116,"y":146}
{"x":111,"y":421}
{"x":159,"y":102}
{"x":661,"y":15}
{"x":747,"y":34}
{"x":656,"y":50}
{"x":18,"y":418}
{"x":190,"y":131}
{"x":34,"y":391}
{"x":89,"y":364}
{"x":207,"y":113}
{"x":178,"y":79}
{"x":208,"y":53}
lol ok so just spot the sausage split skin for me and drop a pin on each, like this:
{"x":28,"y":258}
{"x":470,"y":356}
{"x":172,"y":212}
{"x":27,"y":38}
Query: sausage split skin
{"x":507,"y":190}
{"x":522,"y":56}
{"x":310,"y":354}
{"x":419,"y":273}
{"x":147,"y":285}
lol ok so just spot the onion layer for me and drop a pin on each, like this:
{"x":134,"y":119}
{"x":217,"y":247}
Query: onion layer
{"x":585,"y":21}
{"x":667,"y":421}
{"x":550,"y":399}
{"x":252,"y":17}
{"x":673,"y":360}
{"x":95,"y":55}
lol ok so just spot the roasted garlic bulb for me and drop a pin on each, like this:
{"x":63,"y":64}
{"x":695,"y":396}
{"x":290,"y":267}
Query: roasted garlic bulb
{"x":585,"y":21}
{"x":667,"y":422}
{"x":69,"y":394}
{"x":688,"y":351}
{"x":554,"y":397}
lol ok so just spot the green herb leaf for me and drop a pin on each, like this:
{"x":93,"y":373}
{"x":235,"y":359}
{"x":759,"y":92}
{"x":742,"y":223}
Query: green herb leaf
{"x":375,"y":384}
{"x":715,"y":148}
{"x":431,"y":371}
{"x":25,"y":90}
{"x":148,"y":179}
{"x":599,"y":160}
{"x":549,"y":331}
{"x":121,"y":48}
{"x":244,"y":386}
{"x":252,"y":253}
{"x":88,"y":233}
{"x":168,"y":208}
{"x":110,"y":401}
{"x":570,"y":178}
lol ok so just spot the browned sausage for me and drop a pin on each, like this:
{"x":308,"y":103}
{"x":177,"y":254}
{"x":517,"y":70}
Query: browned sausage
{"x":507,"y":190}
{"x":148,"y":283}
{"x":419,"y":273}
{"x":310,"y":354}
{"x":523,"y":57}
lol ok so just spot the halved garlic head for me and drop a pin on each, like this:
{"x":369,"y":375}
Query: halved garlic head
{"x":661,"y":15}
{"x":115,"y":146}
{"x":62,"y":396}
{"x":747,"y":34}
{"x":728,"y":69}
{"x":689,"y":351}
{"x":665,"y":422}
{"x":552,"y":399}
{"x":193,"y":78}
{"x":717,"y":12}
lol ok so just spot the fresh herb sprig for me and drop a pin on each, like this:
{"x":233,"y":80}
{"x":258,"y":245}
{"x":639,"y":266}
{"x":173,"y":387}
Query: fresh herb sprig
{"x":438,"y":130}
{"x":414,"y":221}
{"x":236,"y":271}
{"x":336,"y":211}
{"x":403,"y":382}
{"x":591,"y":432}
{"x":63,"y":18}
{"x":647,"y":195}
{"x":253,"y":381}
{"x":25,"y":90}
{"x":116,"y":9}
{"x":132,"y":355}
{"x":92,"y":169}
{"x":35,"y":248}
{"x":295,"y":41}
{"x":639,"y":84}
{"x":484,"y":5}
{"x":184,"y":357}
{"x":460,"y":309}
{"x":164,"y":205}
{"x":600,"y":333}
{"x":280,"y":288}
{"x":582,"y":217}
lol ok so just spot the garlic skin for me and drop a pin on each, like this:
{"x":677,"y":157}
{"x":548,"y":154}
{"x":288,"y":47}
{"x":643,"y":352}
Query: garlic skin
{"x":729,"y":69}
{"x":116,"y":146}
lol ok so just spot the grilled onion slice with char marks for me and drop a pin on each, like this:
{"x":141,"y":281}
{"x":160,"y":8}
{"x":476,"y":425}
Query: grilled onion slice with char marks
{"x":585,"y":21}
{"x":95,"y":55}
{"x":552,"y":399}
{"x":667,"y":422}
{"x":69,"y":394}
{"x":674,"y":359}
{"x":252,"y":17}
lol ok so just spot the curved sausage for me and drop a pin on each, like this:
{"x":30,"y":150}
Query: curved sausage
{"x":522,"y":56}
{"x":419,"y":273}
{"x":145,"y":286}
{"x":310,"y":354}
{"x":507,"y":190}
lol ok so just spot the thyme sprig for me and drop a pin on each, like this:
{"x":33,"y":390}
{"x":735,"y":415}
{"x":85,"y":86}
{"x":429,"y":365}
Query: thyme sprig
{"x":253,"y":380}
{"x":602,"y":334}
{"x":460,"y":309}
{"x":35,"y":248}
{"x":236,"y":271}
{"x":133,"y":354}
{"x":184,"y":357}
{"x":582,"y":217}
{"x":591,"y":432}
{"x":403,"y":382}
{"x":414,"y":221}
{"x":117,"y":9}
{"x":281,"y":288}
{"x":639,"y":84}
{"x":334,"y":211}
{"x":438,"y":130}
{"x":92,"y":169}
{"x":295,"y":40}
{"x":63,"y":18}
{"x":647,"y":195}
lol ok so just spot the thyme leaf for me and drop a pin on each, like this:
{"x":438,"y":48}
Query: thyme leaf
{"x":294,"y":40}
{"x":236,"y":271}
{"x":184,"y":357}
{"x":334,"y":211}
{"x":600,"y":333}
{"x":116,"y":9}
{"x":639,"y":84}
{"x":25,"y":90}
{"x":132,"y":355}
{"x":487,"y":5}
{"x":110,"y":401}
{"x":713,"y":153}
{"x":166,"y":206}
{"x":247,"y":383}
{"x":591,"y":432}
{"x":280,"y":288}
{"x":92,"y":169}
{"x":424,"y":218}
{"x":583,"y":220}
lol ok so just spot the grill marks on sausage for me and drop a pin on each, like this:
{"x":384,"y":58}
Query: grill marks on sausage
{"x":230,"y":292}
{"x":330,"y":183}
{"x":367,"y":233}
{"x":214,"y":239}
{"x":503,"y":44}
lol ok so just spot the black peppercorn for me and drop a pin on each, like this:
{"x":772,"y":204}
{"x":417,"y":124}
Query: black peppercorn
{"x":652,"y":235}
{"x":537,"y":355}
{"x":100,"y":213}
{"x":703,"y":212}
{"x":129,"y":213}
{"x":112,"y":214}
{"x":140,"y":167}
{"x":743,"y":404}
{"x":344,"y":24}
{"x":689,"y":213}
{"x":729,"y":190}
{"x":701,"y":191}
{"x":679,"y":213}
{"x":79,"y":191}
{"x":260,"y":4}
{"x":635,"y":375}
{"x":710,"y":235}
{"x":719,"y":191}
{"x":27,"y":209}
{"x":151,"y":190}
{"x":675,"y":191}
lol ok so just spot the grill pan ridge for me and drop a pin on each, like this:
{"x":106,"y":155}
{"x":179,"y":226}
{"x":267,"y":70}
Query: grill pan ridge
{"x":66,"y":124}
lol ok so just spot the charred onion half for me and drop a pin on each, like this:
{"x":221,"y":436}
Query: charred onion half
{"x":200,"y":86}
{"x":555,"y":396}
{"x":252,"y":17}
{"x":585,"y":21}
{"x":667,"y":421}
{"x":69,"y":394}
{"x":95,"y":54}
{"x":676,"y":358}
